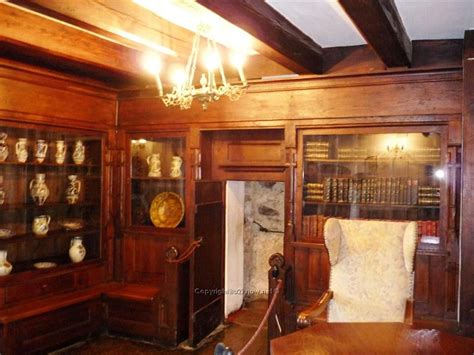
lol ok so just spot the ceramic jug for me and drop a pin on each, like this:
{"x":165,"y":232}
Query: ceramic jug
{"x":175,"y":171}
{"x":41,"y":149}
{"x":21,"y":150}
{"x":5,"y":266}
{"x":73,"y":190}
{"x":154,"y":165}
{"x":61,"y":149}
{"x":38,"y":189}
{"x":3,"y":147}
{"x":79,"y":154}
{"x":41,"y":225}
{"x":77,"y":251}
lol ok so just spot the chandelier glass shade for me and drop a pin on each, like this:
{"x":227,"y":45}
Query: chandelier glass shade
{"x":209,"y":90}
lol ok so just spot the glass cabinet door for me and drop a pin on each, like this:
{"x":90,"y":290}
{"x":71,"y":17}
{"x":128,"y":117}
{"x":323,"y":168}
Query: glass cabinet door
{"x":158,"y":182}
{"x":383,"y":176}
{"x":50,"y":197}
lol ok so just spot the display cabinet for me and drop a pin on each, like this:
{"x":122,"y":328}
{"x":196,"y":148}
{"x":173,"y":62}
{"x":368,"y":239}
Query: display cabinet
{"x":373,"y":174}
{"x":157,"y":180}
{"x":50,"y":198}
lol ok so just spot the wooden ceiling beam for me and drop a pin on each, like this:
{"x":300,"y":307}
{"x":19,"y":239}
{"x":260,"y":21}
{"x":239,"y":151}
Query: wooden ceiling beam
{"x":275,"y":37}
{"x":27,"y":29}
{"x":380,"y":24}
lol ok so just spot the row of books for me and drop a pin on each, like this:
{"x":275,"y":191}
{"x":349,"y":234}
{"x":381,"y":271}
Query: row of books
{"x":398,"y":191}
{"x":316,"y":150}
{"x":313,"y":227}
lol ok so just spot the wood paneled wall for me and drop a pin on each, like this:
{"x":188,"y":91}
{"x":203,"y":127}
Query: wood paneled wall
{"x":349,"y":99}
{"x":39,"y":96}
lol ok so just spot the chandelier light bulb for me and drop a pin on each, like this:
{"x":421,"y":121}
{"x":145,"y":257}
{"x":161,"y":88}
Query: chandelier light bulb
{"x":179,"y":77}
{"x":151,"y":62}
{"x":212,"y":60}
{"x":238,"y":59}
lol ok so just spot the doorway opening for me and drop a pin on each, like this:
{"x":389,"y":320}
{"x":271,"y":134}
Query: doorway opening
{"x":255,"y":219}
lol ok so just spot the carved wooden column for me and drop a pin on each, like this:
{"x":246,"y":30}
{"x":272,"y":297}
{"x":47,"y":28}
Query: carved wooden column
{"x":466,"y":309}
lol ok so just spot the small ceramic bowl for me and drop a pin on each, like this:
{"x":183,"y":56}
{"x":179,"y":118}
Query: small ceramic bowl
{"x":5,"y":233}
{"x":44,"y":265}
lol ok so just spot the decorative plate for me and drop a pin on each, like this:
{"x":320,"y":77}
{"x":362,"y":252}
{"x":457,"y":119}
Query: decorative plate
{"x":6,"y":233}
{"x":44,"y":265}
{"x":72,"y":225}
{"x":167,"y":210}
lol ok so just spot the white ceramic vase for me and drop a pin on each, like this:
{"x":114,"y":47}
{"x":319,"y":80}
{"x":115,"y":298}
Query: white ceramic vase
{"x":79,"y":154}
{"x":154,"y":165}
{"x":3,"y":147}
{"x":73,"y":190}
{"x":77,"y":251}
{"x":38,"y":189}
{"x":176,"y":163}
{"x":61,"y":149}
{"x":41,"y":225}
{"x":21,"y":150}
{"x":41,"y":150}
{"x":5,"y":266}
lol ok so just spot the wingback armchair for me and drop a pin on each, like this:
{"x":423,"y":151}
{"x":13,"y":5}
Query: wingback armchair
{"x":371,"y":275}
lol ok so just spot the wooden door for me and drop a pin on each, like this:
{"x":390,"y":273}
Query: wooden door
{"x":207,"y":266}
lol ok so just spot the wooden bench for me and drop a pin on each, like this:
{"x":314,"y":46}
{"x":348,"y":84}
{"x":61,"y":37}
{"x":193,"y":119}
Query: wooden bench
{"x":132,"y":309}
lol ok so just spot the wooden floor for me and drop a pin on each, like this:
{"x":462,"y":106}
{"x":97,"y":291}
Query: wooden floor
{"x":239,"y":329}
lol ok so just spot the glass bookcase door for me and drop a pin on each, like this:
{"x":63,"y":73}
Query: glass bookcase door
{"x":380,"y":176}
{"x":50,"y":192}
{"x":158,"y":182}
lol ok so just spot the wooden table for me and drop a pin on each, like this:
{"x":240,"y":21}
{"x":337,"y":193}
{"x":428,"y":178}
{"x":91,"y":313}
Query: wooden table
{"x":370,"y":338}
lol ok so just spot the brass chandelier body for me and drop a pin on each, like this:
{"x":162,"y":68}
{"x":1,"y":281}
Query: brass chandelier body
{"x":185,"y":92}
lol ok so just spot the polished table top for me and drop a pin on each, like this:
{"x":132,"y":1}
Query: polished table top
{"x":370,"y":338}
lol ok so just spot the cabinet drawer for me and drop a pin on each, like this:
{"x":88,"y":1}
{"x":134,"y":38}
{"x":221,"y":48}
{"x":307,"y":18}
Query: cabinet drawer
{"x":41,"y":287}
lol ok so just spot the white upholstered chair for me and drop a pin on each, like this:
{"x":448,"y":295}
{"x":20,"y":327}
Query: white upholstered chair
{"x":372,"y":272}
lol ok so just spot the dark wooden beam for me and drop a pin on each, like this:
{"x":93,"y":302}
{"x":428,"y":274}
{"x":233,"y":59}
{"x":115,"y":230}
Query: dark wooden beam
{"x":20,"y":27}
{"x":380,"y":24}
{"x":466,"y":309}
{"x":276,"y":37}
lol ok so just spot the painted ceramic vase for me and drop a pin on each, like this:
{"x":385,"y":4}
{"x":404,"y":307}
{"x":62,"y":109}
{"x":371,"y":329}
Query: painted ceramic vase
{"x":3,"y":147}
{"x":38,"y":189}
{"x":41,"y":150}
{"x":41,"y":225}
{"x":5,"y":266}
{"x":176,"y":163}
{"x":154,"y":165}
{"x":77,"y":251}
{"x":73,"y":190}
{"x":21,"y":150}
{"x":61,"y":149}
{"x":79,"y":154}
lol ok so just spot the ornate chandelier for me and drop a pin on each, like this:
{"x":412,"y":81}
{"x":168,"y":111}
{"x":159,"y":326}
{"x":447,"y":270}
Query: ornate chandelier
{"x":184,"y":91}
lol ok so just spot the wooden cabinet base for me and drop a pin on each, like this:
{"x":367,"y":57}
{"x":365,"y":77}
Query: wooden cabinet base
{"x":53,"y":329}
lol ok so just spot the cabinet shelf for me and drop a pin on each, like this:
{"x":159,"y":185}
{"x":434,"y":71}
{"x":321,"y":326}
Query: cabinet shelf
{"x":53,"y":233}
{"x":166,"y":179}
{"x":372,"y":161}
{"x":67,"y":165}
{"x":371,"y":205}
{"x":61,"y":261}
{"x":15,"y":206}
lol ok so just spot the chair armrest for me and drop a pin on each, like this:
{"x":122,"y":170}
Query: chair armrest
{"x":306,"y":317}
{"x":409,"y":312}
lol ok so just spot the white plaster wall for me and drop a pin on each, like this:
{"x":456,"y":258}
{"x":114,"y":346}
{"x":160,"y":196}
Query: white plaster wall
{"x":234,"y":244}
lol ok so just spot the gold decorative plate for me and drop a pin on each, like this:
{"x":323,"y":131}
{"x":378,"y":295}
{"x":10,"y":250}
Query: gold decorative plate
{"x":167,"y":210}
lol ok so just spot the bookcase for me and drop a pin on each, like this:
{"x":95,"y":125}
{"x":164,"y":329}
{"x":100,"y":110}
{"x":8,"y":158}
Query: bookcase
{"x":382,"y":174}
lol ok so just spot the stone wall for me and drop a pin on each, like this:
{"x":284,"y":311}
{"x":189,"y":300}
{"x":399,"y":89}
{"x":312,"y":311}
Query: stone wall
{"x":264,"y":203}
